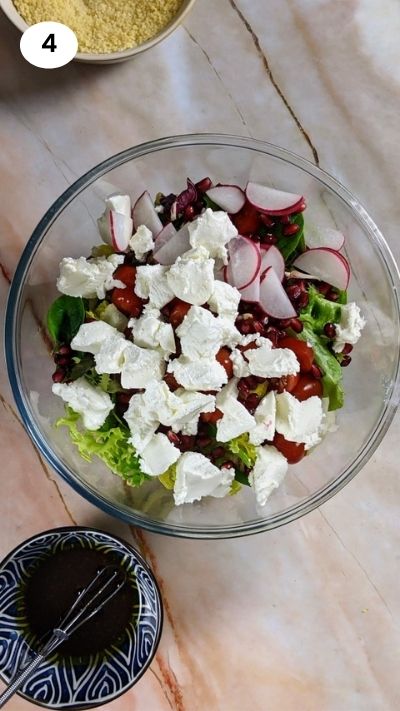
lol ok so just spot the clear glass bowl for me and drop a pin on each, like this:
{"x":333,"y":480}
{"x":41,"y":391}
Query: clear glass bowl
{"x":371,"y":382}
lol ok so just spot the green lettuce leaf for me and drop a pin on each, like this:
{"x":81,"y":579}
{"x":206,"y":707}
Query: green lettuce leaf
{"x":320,"y":311}
{"x":64,"y":318}
{"x":109,"y":443}
{"x":168,"y":478}
{"x":332,"y":371}
{"x":293,"y":244}
{"x":246,"y":451}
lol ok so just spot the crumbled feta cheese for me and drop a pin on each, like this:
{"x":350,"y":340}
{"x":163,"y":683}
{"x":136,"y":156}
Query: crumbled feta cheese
{"x":191,"y":405}
{"x":203,"y":374}
{"x":264,"y":416}
{"x":226,"y":394}
{"x":268,"y":473}
{"x":151,"y":283}
{"x":141,"y":242}
{"x":213,"y":229}
{"x":92,"y":403}
{"x":150,"y":332}
{"x":230,"y":335}
{"x":298,"y":421}
{"x":89,"y":278}
{"x":141,"y":367}
{"x":235,"y":421}
{"x":191,"y":278}
{"x":158,"y":455}
{"x":92,"y":335}
{"x":240,"y":366}
{"x":141,"y":423}
{"x":114,"y":317}
{"x":225,"y":300}
{"x":200,"y":334}
{"x":178,"y":408}
{"x":251,"y":338}
{"x":196,"y":477}
{"x":268,"y":362}
{"x":111,"y":356}
{"x":328,"y":424}
{"x":350,"y":326}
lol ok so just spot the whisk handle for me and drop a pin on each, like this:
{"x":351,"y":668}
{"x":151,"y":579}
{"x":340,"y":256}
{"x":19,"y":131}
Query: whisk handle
{"x":57,"y":638}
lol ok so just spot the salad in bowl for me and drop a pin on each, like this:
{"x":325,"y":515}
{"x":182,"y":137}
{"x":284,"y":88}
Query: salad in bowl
{"x":202,"y":342}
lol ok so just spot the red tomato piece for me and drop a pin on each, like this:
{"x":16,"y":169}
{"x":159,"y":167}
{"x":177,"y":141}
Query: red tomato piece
{"x":247,"y":220}
{"x":303,"y":352}
{"x":126,"y":274}
{"x":178,"y":313}
{"x":306,"y":387}
{"x":293,"y":451}
{"x":126,"y":301}
{"x":223,"y":358}
{"x":289,"y":382}
{"x":211,"y":417}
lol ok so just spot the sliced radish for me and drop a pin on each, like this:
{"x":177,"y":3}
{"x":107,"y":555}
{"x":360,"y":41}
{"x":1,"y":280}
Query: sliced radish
{"x":115,"y":229}
{"x":271,"y":257}
{"x":325,"y":237}
{"x":327,"y":264}
{"x":230,"y":198}
{"x":252,"y":291}
{"x":164,"y":236}
{"x":271,"y":201}
{"x":244,"y":262}
{"x":273,"y":297}
{"x":294,"y":274}
{"x":144,"y":213}
{"x":173,"y":248}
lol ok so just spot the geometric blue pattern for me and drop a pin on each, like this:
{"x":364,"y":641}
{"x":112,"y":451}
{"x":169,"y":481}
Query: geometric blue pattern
{"x":68,"y":683}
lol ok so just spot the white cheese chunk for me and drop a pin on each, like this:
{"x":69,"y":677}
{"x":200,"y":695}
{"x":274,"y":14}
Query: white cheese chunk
{"x":203,"y":374}
{"x":268,"y":473}
{"x":141,"y":422}
{"x":175,"y":409}
{"x":225,"y":300}
{"x":268,"y":362}
{"x":200,"y":334}
{"x":264,"y":416}
{"x":158,"y":455}
{"x":196,"y":477}
{"x":226,"y":394}
{"x":92,"y":403}
{"x":298,"y":421}
{"x":111,"y":356}
{"x":191,"y":278}
{"x":141,"y":242}
{"x":141,"y":367}
{"x":235,"y":421}
{"x":240,"y":365}
{"x":231,"y":337}
{"x":92,"y":335}
{"x":151,"y":283}
{"x":150,"y":332}
{"x":89,"y":278}
{"x":350,"y":326}
{"x":212,"y":230}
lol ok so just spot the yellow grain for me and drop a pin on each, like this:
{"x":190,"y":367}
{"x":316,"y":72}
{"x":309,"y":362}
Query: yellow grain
{"x":103,"y":26}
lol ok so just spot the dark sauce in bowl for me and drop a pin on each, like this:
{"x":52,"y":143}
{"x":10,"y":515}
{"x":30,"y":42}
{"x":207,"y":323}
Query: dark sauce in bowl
{"x":53,"y":586}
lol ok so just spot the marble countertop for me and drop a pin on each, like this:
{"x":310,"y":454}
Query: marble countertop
{"x":313,"y":624}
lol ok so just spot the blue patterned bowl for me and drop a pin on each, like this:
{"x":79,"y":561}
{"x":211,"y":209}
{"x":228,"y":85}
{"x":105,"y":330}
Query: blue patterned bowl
{"x":65,"y":682}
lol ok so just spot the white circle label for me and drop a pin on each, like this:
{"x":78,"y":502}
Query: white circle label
{"x":48,"y":45}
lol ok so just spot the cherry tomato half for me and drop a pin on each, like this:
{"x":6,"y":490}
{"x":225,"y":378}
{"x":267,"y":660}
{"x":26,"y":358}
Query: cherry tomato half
{"x":223,"y":358}
{"x":293,"y":451}
{"x":126,"y":301}
{"x":126,"y":274}
{"x":178,"y":313}
{"x":289,"y":382}
{"x":247,"y":220}
{"x":304,"y":353}
{"x":306,"y":387}
{"x":211,"y":417}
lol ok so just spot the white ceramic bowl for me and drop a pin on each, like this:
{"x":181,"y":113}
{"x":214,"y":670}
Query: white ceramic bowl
{"x":10,"y":11}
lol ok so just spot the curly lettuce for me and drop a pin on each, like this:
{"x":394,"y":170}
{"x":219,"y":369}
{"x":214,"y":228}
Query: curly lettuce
{"x":241,"y":447}
{"x":110,"y":444}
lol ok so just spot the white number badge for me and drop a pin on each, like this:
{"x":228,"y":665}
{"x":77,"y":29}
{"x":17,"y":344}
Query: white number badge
{"x":48,"y":45}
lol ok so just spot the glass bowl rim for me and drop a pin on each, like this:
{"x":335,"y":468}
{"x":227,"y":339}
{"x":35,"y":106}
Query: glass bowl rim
{"x":13,"y":306}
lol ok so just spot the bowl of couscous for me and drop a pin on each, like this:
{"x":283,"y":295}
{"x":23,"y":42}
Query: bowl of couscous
{"x":108,"y":32}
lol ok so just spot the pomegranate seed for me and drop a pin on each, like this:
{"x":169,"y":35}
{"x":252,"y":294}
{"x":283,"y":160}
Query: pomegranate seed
{"x":58,"y":375}
{"x":228,"y":465}
{"x":296,"y":325}
{"x":173,"y":437}
{"x":347,"y":348}
{"x":285,"y":220}
{"x":330,"y":330}
{"x":203,"y":185}
{"x":217,"y":452}
{"x":290,"y":230}
{"x":272,"y":333}
{"x":64,"y":350}
{"x":332,"y":295}
{"x":189,"y":213}
{"x":243,"y":388}
{"x":346,"y":360}
{"x":61,"y":360}
{"x":187,"y":442}
{"x":258,"y":327}
{"x":267,"y":220}
{"x":323,"y":288}
{"x":302,"y":301}
{"x":294,"y":292}
{"x":252,"y":402}
{"x":203,"y":441}
{"x":316,"y":372}
{"x":251,"y":382}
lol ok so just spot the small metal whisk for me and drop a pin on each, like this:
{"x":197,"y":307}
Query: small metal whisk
{"x":104,"y":586}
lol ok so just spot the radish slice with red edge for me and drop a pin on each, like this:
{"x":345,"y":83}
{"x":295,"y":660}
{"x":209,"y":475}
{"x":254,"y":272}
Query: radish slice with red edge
{"x":252,"y":291}
{"x":327,"y":264}
{"x":244,"y":262}
{"x":144,"y":213}
{"x":120,"y":228}
{"x":173,"y":247}
{"x":325,"y":237}
{"x":273,"y":297}
{"x":230,"y":198}
{"x":295,"y":274}
{"x":271,"y":257}
{"x":271,"y":201}
{"x":164,"y":236}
